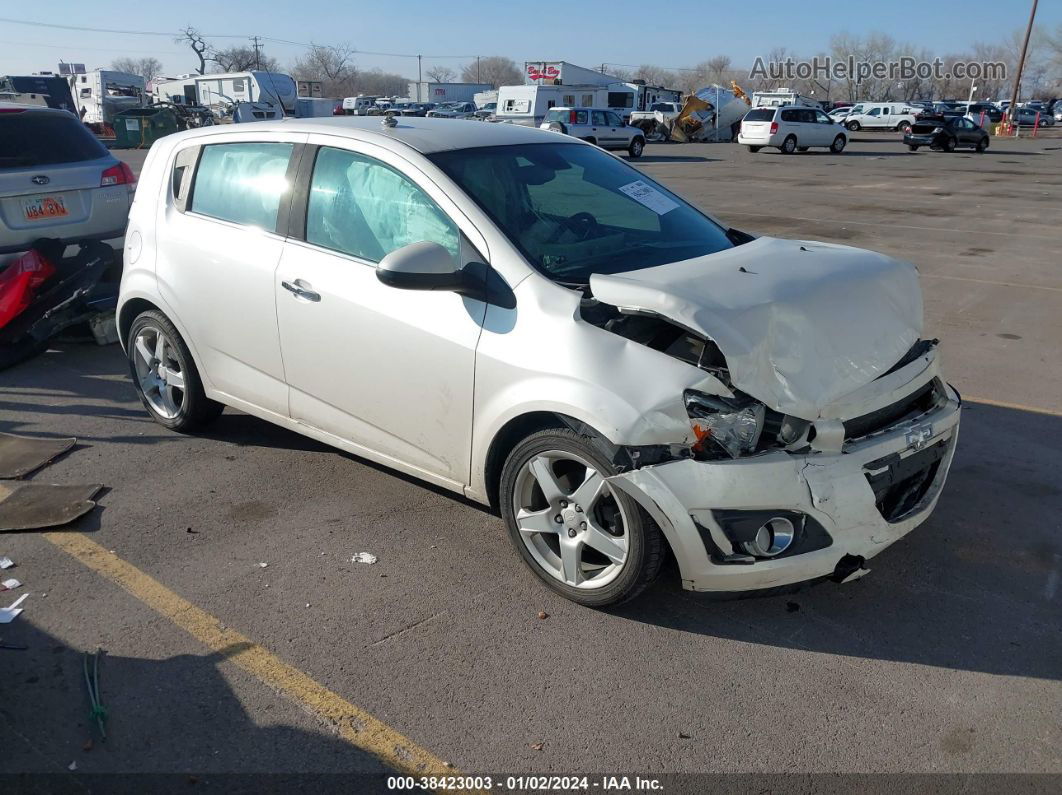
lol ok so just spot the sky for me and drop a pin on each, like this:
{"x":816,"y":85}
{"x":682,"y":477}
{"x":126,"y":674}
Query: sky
{"x":678,"y":33}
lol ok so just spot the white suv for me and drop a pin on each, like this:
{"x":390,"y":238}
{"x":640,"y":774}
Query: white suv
{"x":597,"y":126}
{"x":791,"y":129}
{"x":533,"y":323}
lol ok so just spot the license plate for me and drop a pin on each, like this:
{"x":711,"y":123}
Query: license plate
{"x":41,"y":208}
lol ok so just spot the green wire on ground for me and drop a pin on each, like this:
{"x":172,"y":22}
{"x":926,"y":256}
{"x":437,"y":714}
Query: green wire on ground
{"x":98,"y":714}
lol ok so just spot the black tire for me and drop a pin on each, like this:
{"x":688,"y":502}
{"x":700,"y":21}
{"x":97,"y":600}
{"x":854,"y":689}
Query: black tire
{"x":789,"y":145}
{"x":636,"y":148}
{"x":196,"y":409}
{"x":913,"y":147}
{"x":982,"y":145}
{"x":755,"y":149}
{"x":838,"y":144}
{"x":803,"y":148}
{"x":645,"y":543}
{"x":949,"y":144}
{"x":903,"y":126}
{"x":853,"y":126}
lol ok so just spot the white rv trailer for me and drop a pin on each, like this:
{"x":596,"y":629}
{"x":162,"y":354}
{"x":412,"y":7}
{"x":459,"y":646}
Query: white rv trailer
{"x":218,"y":91}
{"x":528,"y":104}
{"x":101,"y":93}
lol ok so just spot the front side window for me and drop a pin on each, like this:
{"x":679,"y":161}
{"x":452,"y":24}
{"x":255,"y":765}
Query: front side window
{"x":614,"y":120}
{"x":573,"y":210}
{"x":875,"y":112}
{"x":362,"y":207}
{"x":599,"y":117}
{"x":242,"y":183}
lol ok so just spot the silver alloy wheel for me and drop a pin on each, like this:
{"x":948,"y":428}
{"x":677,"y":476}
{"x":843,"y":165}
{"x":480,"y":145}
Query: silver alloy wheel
{"x":158,"y":371}
{"x":570,"y":520}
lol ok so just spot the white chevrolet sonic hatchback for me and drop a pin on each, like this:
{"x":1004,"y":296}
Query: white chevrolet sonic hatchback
{"x":529,"y":321}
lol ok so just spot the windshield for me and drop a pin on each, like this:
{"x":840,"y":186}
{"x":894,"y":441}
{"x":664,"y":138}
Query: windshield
{"x":574,"y":210}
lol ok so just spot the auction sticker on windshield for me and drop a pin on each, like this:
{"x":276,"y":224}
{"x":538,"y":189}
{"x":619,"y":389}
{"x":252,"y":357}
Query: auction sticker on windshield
{"x":38,"y":208}
{"x":649,"y":196}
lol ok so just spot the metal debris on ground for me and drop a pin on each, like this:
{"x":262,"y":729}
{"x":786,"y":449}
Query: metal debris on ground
{"x":364,"y":557}
{"x":9,"y":585}
{"x":10,"y":613}
{"x":6,"y":563}
{"x":33,"y":506}
{"x":21,"y":455}
{"x":92,"y":682}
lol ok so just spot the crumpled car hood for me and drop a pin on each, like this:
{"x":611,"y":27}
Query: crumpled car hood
{"x":801,"y":324}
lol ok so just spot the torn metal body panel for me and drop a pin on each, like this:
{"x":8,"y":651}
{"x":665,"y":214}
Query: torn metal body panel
{"x":839,"y":492}
{"x":801,"y":324}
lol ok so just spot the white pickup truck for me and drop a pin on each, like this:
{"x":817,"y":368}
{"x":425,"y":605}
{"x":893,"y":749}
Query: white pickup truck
{"x":656,"y":122}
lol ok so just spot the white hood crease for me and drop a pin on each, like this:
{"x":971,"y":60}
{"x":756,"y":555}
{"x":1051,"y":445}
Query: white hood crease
{"x":801,"y":324}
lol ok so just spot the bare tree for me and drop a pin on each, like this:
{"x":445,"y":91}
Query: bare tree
{"x":494,"y":69}
{"x":148,"y":68}
{"x":194,"y":39}
{"x":441,"y":74}
{"x":383,"y":84}
{"x":330,"y":65}
{"x":242,"y":58}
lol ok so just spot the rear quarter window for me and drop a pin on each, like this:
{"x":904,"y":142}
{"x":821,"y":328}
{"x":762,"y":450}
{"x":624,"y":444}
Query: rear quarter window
{"x":40,"y":139}
{"x":760,"y":114}
{"x":242,"y":183}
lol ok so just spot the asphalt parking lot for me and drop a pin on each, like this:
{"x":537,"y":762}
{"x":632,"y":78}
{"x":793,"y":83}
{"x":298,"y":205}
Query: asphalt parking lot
{"x":946,"y":658}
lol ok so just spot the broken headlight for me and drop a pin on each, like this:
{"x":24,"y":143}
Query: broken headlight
{"x":732,"y":426}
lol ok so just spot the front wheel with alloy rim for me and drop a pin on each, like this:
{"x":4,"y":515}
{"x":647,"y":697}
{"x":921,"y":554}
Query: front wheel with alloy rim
{"x":636,"y":148}
{"x":949,"y":144}
{"x":165,"y":376}
{"x":982,"y":145}
{"x":853,"y":126}
{"x":584,"y":538}
{"x":789,"y":145}
{"x":838,"y":144}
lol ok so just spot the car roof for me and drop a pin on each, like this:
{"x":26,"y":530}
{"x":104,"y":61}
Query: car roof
{"x":422,"y":134}
{"x":19,"y":106}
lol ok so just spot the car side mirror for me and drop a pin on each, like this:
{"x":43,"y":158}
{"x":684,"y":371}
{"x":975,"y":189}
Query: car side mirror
{"x":429,"y":266}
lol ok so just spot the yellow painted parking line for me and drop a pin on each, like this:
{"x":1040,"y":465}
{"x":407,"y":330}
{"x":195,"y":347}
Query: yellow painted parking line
{"x":352,"y":723}
{"x":1002,"y":404}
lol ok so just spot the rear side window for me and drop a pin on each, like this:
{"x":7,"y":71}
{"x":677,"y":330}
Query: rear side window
{"x":40,"y":139}
{"x":760,"y":114}
{"x":242,"y":183}
{"x":790,"y":115}
{"x":362,"y":207}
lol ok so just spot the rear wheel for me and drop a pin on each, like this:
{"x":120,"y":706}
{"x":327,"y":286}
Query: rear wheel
{"x":789,"y":145}
{"x":949,"y":144}
{"x":982,"y":145}
{"x":903,"y":126}
{"x":165,"y":376}
{"x":584,"y":539}
{"x":838,"y":144}
{"x":636,"y":148}
{"x":913,"y":147}
{"x":803,"y":148}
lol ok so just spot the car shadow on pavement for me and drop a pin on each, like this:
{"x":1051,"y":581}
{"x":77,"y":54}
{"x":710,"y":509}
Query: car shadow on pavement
{"x":976,"y":588}
{"x":172,"y":722}
{"x":675,"y":159}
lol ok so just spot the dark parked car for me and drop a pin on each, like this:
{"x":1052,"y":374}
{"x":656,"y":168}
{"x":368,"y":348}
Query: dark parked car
{"x":945,"y":132}
{"x":992,"y":113}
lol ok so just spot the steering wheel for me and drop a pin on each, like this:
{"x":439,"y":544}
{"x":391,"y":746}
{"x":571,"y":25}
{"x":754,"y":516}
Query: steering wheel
{"x":582,"y":225}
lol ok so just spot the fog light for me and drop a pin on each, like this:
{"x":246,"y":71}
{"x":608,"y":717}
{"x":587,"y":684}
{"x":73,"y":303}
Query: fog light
{"x":772,"y":538}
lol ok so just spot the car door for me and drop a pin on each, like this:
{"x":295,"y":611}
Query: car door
{"x":825,"y":130}
{"x":218,"y":249}
{"x":621,"y":134}
{"x":600,"y":128}
{"x":389,"y":370}
{"x":872,"y":118}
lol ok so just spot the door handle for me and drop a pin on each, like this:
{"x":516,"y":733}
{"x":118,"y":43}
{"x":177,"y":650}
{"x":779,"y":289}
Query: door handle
{"x":299,"y":291}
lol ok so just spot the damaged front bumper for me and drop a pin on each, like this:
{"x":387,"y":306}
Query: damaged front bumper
{"x":846,"y":506}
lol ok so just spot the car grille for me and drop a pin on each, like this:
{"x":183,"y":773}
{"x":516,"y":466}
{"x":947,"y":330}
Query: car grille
{"x":900,"y":484}
{"x":907,"y":408}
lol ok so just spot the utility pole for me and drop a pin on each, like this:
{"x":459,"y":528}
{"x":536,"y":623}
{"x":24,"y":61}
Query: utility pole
{"x":257,"y":54}
{"x":1021,"y":63}
{"x":479,"y":79}
{"x":419,"y":79}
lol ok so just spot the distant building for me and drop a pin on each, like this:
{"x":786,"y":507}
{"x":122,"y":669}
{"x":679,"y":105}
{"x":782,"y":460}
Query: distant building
{"x":426,"y":91}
